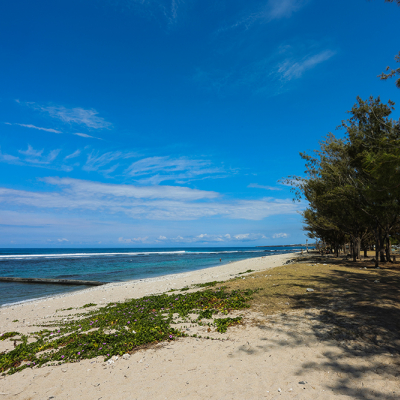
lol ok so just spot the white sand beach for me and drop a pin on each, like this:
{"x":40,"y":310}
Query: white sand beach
{"x":267,"y":357}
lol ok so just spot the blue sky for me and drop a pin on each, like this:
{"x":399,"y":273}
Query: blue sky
{"x":169,"y":122}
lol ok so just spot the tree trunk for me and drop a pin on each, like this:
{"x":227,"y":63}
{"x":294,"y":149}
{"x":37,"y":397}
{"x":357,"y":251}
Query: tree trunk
{"x":358,"y":247}
{"x":354,"y":248}
{"x":388,"y":248}
{"x":365,"y":252}
{"x":382,"y":247}
{"x":376,"y":234}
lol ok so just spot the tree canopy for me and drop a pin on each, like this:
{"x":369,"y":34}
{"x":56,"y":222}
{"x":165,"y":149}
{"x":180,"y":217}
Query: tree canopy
{"x":352,"y":185}
{"x":390,"y":73}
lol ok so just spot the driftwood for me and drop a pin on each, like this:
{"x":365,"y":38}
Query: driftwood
{"x":52,"y":281}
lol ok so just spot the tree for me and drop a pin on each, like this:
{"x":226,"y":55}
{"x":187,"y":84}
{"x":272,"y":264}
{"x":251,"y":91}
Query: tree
{"x":374,"y":150}
{"x":352,"y":185}
{"x":392,"y":72}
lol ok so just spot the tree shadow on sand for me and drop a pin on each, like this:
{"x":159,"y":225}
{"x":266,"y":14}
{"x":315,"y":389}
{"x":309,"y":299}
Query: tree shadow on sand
{"x":358,"y":315}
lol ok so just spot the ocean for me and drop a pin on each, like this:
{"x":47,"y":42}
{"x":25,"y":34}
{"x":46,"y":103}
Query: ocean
{"x":108,"y":265}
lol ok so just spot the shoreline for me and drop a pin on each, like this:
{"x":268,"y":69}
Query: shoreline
{"x":134,"y":281}
{"x":310,"y":349}
{"x":30,"y":312}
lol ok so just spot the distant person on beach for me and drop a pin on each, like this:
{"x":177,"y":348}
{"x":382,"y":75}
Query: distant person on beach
{"x":220,"y":260}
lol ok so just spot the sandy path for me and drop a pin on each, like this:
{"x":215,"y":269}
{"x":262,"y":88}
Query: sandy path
{"x":285,"y":357}
{"x":278,"y":358}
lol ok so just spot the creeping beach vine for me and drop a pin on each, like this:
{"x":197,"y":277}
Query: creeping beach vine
{"x":120,"y":328}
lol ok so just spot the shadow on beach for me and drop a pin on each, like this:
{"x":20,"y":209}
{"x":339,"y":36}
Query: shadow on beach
{"x":354,"y":309}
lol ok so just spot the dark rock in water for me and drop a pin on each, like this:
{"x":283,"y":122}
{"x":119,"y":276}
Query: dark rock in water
{"x":52,"y":281}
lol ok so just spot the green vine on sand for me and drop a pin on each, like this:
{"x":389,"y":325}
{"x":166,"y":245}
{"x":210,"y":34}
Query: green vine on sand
{"x":119,"y":328}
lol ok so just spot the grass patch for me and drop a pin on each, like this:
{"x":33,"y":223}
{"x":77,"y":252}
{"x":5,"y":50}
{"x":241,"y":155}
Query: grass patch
{"x":8,"y":335}
{"x":119,"y":328}
{"x":356,"y":301}
{"x":88,"y":305}
{"x":223,"y":323}
{"x":207,"y":284}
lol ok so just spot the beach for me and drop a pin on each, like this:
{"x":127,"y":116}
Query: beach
{"x":287,"y":355}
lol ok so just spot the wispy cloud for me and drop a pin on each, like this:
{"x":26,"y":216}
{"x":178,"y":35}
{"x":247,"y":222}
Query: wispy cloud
{"x":95,"y":161}
{"x":257,"y":186}
{"x":280,"y":235}
{"x":264,"y":13}
{"x":73,"y":155}
{"x":145,"y":202}
{"x":146,"y":171}
{"x":133,"y":240}
{"x":9,"y":159}
{"x":294,"y":68}
{"x":284,"y":8}
{"x":76,"y":115}
{"x":85,"y":135}
{"x":269,"y":75}
{"x":37,"y":157}
{"x":213,"y":238}
{"x":35,"y":127}
{"x":99,"y":190}
{"x":166,"y":169}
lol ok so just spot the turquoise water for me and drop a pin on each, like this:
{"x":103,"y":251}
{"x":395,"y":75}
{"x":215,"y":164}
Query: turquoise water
{"x":109,"y":265}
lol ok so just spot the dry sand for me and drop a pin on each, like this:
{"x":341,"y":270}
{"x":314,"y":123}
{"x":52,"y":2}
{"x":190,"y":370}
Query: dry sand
{"x":268,"y":357}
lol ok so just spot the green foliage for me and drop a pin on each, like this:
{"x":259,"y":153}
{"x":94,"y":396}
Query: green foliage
{"x":222,"y":324}
{"x":352,"y":184}
{"x":246,"y":272}
{"x":118,"y":328}
{"x":206,"y":284}
{"x":207,"y":314}
{"x":87,"y":305}
{"x":7,"y":335}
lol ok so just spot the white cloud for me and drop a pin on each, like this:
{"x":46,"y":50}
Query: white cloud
{"x":85,"y":135}
{"x":166,"y":168}
{"x":62,"y":240}
{"x":294,"y":69}
{"x":133,"y":240}
{"x":76,"y":115}
{"x":95,"y":161}
{"x":270,"y":74}
{"x":96,"y":189}
{"x":242,"y":236}
{"x":284,"y":8}
{"x":36,"y":157}
{"x":145,"y":202}
{"x":256,"y":185}
{"x":9,"y":159}
{"x":249,"y":237}
{"x":76,"y":153}
{"x":36,"y":127}
{"x":274,"y":9}
{"x":207,"y":238}
{"x":280,"y":235}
